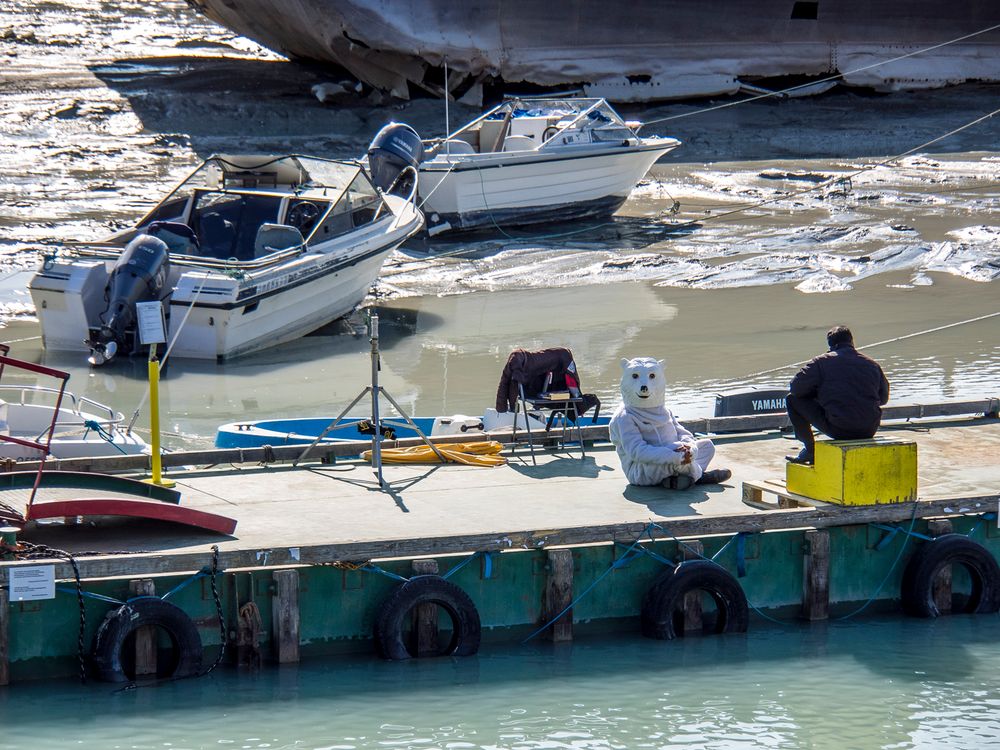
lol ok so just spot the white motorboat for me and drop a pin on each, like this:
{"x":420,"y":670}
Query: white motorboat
{"x":247,"y":252}
{"x":83,"y":428}
{"x":38,"y":421}
{"x":527,"y":161}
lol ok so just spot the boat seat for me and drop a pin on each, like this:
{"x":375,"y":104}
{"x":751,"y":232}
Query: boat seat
{"x":179,"y":237}
{"x":457,"y":146}
{"x":272,"y":237}
{"x":217,"y":235}
{"x":518,"y":143}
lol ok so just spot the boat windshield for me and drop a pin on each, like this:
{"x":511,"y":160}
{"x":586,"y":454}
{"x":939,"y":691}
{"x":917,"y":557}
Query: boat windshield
{"x":245,"y":207}
{"x":527,"y":124}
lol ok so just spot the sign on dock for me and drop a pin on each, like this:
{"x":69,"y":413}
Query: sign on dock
{"x":34,"y":582}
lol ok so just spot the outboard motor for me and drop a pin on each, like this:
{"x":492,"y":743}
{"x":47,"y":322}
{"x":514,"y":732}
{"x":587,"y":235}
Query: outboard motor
{"x":394,"y":148}
{"x":139,"y":275}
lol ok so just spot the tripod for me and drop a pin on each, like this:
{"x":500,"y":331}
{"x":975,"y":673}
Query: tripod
{"x":379,"y":426}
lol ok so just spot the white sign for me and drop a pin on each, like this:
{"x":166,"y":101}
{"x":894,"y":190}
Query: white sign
{"x":35,"y":582}
{"x":151,"y":328}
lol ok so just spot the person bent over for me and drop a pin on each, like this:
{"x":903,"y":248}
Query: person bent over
{"x":840,"y":393}
{"x":653,"y":446}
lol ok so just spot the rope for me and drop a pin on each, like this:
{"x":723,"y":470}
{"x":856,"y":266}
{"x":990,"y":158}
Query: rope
{"x":834,"y":180}
{"x":834,"y":77}
{"x":633,"y":551}
{"x":268,"y":456}
{"x":484,"y":453}
{"x":27,"y":550}
{"x":103,"y":433}
{"x":371,"y":567}
{"x":892,"y":568}
{"x":767,"y":201}
{"x":482,"y":190}
{"x":870,"y":346}
{"x":440,"y":183}
{"x":170,"y":347}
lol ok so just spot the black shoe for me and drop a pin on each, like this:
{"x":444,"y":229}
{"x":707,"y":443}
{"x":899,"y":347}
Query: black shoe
{"x":805,"y":457}
{"x":680,"y":482}
{"x":715,"y":476}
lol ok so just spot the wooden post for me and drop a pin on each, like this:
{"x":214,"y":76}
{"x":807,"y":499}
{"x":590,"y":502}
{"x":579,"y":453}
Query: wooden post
{"x":4,"y":637}
{"x":425,"y":616}
{"x":145,"y":637}
{"x":693,"y":623}
{"x":285,"y":616}
{"x":816,"y":576}
{"x":941,"y":588}
{"x":558,"y":594}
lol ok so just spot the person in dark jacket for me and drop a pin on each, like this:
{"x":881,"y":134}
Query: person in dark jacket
{"x":840,"y":393}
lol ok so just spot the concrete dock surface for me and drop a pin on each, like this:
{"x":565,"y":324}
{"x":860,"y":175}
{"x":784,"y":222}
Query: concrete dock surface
{"x":318,"y":512}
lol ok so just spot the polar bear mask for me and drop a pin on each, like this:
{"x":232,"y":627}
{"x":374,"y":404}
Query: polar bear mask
{"x":643,"y":383}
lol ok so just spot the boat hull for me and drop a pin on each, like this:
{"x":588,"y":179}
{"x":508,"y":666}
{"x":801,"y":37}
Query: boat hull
{"x":305,"y":430}
{"x":531,"y":187}
{"x":655,"y":50}
{"x":224,"y":332}
{"x":216,"y":315}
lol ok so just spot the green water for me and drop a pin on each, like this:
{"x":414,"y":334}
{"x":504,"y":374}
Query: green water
{"x":885,"y":682}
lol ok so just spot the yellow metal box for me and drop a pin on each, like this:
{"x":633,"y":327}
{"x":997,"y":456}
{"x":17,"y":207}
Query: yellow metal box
{"x":858,"y":472}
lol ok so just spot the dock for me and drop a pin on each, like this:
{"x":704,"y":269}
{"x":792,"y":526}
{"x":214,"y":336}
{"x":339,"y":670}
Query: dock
{"x":319,"y":546}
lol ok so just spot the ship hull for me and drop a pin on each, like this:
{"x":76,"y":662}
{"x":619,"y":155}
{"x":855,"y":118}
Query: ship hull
{"x":657,"y":50}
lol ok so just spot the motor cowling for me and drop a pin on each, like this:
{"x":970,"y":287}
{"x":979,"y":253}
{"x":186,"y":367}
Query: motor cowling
{"x":394,"y":148}
{"x":139,"y":275}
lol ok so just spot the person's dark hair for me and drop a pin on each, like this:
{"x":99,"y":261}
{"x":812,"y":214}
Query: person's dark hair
{"x":839,"y":335}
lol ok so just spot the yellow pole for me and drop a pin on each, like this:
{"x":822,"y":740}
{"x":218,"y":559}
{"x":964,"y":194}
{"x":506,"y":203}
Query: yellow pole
{"x":154,"y":418}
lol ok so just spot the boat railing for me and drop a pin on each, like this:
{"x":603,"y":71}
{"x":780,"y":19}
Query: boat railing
{"x":104,"y":251}
{"x":25,"y":397}
{"x":572,"y":123}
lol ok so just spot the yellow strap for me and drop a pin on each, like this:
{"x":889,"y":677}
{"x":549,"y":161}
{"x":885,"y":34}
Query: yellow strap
{"x":483,"y":453}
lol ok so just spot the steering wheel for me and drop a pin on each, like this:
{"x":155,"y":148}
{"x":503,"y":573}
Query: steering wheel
{"x":302,"y":214}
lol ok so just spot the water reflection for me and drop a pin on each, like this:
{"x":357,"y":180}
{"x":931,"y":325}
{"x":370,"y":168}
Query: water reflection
{"x":883,"y":682}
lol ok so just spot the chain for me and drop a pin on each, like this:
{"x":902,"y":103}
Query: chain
{"x":218,"y":609}
{"x":83,"y":620}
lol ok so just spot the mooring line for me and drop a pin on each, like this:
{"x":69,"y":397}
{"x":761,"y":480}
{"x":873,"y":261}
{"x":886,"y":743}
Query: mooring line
{"x":834,"y":180}
{"x":742,"y":208}
{"x":834,"y":77}
{"x":892,"y":568}
{"x":753,"y":375}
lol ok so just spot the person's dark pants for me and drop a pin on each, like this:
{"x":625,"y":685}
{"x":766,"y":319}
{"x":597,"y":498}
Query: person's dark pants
{"x":806,"y":413}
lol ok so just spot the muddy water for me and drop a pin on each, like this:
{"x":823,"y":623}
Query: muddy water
{"x":773,"y":221}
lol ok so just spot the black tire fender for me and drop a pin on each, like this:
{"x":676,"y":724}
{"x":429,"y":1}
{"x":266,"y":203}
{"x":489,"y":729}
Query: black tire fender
{"x":663,"y":605}
{"x":390,"y":619}
{"x":119,"y":624}
{"x":917,"y":591}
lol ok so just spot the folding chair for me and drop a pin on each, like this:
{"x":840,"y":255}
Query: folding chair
{"x":547,"y":383}
{"x":563,"y":412}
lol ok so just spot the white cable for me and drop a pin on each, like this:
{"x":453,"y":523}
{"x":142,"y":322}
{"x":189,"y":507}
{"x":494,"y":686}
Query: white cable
{"x":869,"y":346}
{"x":834,"y":77}
{"x":145,"y":395}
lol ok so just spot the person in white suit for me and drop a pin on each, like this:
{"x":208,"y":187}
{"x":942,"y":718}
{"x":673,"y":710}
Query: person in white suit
{"x":654,"y":448}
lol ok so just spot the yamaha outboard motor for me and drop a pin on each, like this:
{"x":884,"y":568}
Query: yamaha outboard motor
{"x":139,"y":275}
{"x":395,"y":147}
